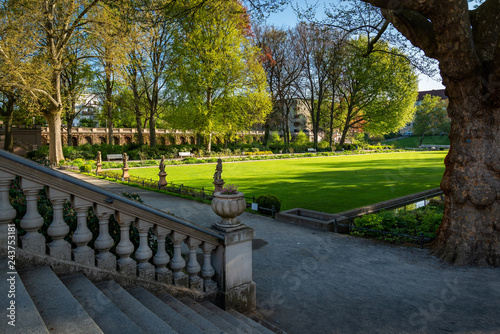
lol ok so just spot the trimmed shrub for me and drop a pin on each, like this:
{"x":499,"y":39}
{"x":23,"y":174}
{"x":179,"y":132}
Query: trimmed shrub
{"x":267,"y":201}
{"x":86,"y":168}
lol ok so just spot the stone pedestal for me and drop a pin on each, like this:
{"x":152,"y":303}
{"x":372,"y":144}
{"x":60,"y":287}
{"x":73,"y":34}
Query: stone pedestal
{"x":146,"y":271}
{"x":196,"y":284}
{"x":233,"y":267}
{"x":98,"y":168}
{"x":125,"y":175}
{"x":84,"y":256}
{"x":181,"y":280}
{"x":164,"y":277}
{"x":60,"y":249}
{"x":218,"y":184}
{"x":127,"y":267}
{"x":106,"y":261}
{"x":162,"y":182}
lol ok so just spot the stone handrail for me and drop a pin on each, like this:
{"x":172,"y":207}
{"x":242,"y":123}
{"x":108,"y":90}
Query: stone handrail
{"x":226,"y":268}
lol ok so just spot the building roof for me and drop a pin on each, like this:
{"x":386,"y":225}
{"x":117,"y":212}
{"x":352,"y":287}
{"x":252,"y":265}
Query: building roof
{"x":435,"y":92}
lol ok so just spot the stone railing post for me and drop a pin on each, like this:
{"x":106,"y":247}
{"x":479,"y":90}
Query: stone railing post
{"x":58,"y":229}
{"x":82,"y":253}
{"x":7,"y":212}
{"x":104,"y":242}
{"x":161,"y":258}
{"x":125,"y":248}
{"x":233,"y":267}
{"x":32,"y":241}
{"x":178,"y":263}
{"x":143,"y":253}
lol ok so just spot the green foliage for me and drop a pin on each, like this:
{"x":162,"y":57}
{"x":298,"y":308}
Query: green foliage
{"x":426,"y":220}
{"x":301,"y":139}
{"x":221,"y":83}
{"x":86,"y":168}
{"x":268,"y":201}
{"x":381,"y":89}
{"x":431,"y":117}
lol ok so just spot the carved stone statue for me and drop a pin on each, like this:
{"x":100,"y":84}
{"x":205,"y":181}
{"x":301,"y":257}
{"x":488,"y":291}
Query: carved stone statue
{"x":125,"y":160}
{"x":162,"y":164}
{"x":218,"y":170}
{"x":125,"y":167}
{"x":98,"y":161}
{"x":218,"y":181}
{"x":162,"y":181}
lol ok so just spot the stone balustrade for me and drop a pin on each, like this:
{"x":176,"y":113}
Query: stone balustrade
{"x":225,"y":269}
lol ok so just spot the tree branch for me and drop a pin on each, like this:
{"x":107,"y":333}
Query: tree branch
{"x":485,"y":21}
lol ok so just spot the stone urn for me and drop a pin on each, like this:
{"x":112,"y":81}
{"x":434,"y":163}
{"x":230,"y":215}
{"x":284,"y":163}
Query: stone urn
{"x":228,"y":207}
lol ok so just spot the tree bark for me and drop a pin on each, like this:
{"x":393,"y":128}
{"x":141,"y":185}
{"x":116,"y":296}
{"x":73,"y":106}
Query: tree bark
{"x":109,"y":102}
{"x":470,"y":232}
{"x":8,"y":116}
{"x":55,"y":140}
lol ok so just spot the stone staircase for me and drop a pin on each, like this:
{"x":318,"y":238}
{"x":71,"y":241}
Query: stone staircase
{"x":73,"y":304}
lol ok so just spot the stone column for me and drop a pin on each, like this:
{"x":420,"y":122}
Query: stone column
{"x":58,"y":229}
{"x":143,"y":253}
{"x":233,"y":268}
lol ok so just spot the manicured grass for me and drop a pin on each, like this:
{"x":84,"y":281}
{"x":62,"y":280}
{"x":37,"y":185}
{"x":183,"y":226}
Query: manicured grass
{"x":413,"y":141}
{"x":328,"y":184}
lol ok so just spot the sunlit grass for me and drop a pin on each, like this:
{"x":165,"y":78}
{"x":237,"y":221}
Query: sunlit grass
{"x":328,"y":184}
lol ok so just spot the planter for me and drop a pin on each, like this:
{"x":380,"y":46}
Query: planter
{"x":228,"y":207}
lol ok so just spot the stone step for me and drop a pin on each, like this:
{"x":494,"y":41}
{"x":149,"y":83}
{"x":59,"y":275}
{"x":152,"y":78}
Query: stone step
{"x":257,"y":327}
{"x":138,"y":313}
{"x":108,"y":316}
{"x":164,"y":312}
{"x":60,"y":311}
{"x":25,"y":316}
{"x":209,"y":315}
{"x":242,"y":326}
{"x":190,"y":315}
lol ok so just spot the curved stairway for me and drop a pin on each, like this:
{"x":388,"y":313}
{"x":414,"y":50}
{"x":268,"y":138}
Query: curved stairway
{"x":46,"y":303}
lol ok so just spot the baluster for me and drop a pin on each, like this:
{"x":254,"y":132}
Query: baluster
{"x":144,"y":253}
{"x":125,"y":248}
{"x":161,"y":258}
{"x":32,"y":241}
{"x":7,"y":212}
{"x":82,"y":253}
{"x":193,"y":267}
{"x":104,"y":242}
{"x":58,"y":229}
{"x":177,"y":263}
{"x":207,"y":271}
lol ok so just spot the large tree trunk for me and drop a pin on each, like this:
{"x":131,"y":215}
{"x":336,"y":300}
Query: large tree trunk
{"x":55,"y":140}
{"x":470,"y":232}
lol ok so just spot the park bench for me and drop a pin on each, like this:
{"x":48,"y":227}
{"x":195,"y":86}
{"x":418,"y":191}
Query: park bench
{"x":311,"y":150}
{"x":114,"y":157}
{"x":184,"y":154}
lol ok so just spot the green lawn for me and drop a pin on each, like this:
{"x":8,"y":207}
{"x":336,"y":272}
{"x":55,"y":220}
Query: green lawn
{"x":413,"y":141}
{"x":328,"y":184}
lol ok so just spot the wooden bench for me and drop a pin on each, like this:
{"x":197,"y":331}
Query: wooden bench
{"x":114,"y":157}
{"x":184,"y":154}
{"x":311,"y":150}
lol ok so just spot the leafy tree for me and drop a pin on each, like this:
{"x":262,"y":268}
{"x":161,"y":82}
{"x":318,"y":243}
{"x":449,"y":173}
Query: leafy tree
{"x":378,"y":92}
{"x":465,"y":42}
{"x":430,"y":118}
{"x":45,"y":27}
{"x":221,"y":85}
{"x":314,"y":44}
{"x":282,"y":65}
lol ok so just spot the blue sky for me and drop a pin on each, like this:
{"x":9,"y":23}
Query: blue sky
{"x":287,"y":18}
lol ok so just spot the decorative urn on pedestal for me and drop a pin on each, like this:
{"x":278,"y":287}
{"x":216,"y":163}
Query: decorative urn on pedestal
{"x":229,"y":204}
